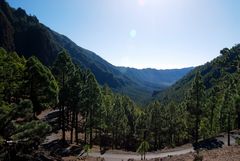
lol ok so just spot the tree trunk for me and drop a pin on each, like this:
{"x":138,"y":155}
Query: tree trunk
{"x":211,"y":120}
{"x":229,"y":129}
{"x":85,"y":135}
{"x":91,"y":128}
{"x":116,"y":138}
{"x":85,"y":128}
{"x":125,"y":140}
{"x":155,"y":141}
{"x":155,"y":137}
{"x":72,"y":126}
{"x":68,"y":119}
{"x":62,"y":108}
{"x":63,"y":124}
{"x":221,"y":122}
{"x":173,"y":139}
{"x":196,"y":128}
{"x":144,"y":153}
{"x":113,"y":138}
{"x":76,"y":128}
{"x":238,"y":119}
{"x":159,"y":141}
{"x":197,"y":116}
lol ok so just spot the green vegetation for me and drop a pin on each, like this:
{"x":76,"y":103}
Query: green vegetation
{"x":63,"y":70}
{"x":142,"y":149}
{"x":19,"y":100}
{"x":87,"y":149}
{"x":199,"y":106}
{"x":30,"y":129}
{"x":40,"y":85}
{"x":107,"y":119}
{"x":219,"y":101}
{"x":195,"y":104}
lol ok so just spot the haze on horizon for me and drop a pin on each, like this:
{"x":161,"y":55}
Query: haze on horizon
{"x":160,"y":34}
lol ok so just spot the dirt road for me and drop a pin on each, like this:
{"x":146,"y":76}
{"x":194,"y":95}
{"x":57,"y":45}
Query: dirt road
{"x":124,"y":156}
{"x":109,"y":156}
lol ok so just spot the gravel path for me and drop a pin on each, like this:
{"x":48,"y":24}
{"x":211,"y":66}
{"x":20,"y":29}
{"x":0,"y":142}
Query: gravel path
{"x":124,"y":156}
{"x":108,"y":156}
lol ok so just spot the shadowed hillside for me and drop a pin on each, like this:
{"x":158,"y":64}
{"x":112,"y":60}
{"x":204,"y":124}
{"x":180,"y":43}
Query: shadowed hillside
{"x":26,"y":35}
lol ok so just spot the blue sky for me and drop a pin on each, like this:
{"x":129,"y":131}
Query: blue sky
{"x":144,"y":33}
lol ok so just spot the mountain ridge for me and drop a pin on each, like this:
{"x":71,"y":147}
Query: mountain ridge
{"x":24,"y":34}
{"x":216,"y":74}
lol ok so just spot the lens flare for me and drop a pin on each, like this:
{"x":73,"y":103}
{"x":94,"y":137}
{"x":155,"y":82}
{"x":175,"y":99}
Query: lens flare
{"x":141,"y":2}
{"x":133,"y":33}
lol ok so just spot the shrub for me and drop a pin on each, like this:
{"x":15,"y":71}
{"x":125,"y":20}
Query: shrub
{"x":238,"y":141}
{"x":198,"y":157}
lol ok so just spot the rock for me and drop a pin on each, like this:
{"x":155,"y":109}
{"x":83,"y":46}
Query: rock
{"x":53,"y":114}
{"x":208,"y":144}
{"x":76,"y":150}
{"x":62,"y":148}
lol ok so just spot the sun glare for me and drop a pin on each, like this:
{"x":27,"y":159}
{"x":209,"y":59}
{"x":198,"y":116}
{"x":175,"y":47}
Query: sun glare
{"x":141,"y":2}
{"x":133,"y":33}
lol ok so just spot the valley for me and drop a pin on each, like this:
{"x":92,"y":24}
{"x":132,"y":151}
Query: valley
{"x":62,"y":102}
{"x":26,"y":35}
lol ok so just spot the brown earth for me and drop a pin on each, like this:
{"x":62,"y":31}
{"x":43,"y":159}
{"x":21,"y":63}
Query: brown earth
{"x":231,"y":153}
{"x":226,"y":153}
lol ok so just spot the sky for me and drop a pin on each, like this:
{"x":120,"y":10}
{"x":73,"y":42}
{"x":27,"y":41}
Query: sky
{"x":161,"y":34}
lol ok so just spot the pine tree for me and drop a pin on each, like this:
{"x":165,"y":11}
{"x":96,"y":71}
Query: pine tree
{"x":75,"y":88}
{"x":132,"y":115}
{"x":107,"y":103}
{"x":41,"y":86}
{"x":143,"y":148}
{"x":63,"y":70}
{"x":118,"y":121}
{"x":196,"y":103}
{"x":11,"y":76}
{"x":92,"y":102}
{"x":237,"y":106}
{"x":229,"y":103}
{"x":156,"y":122}
{"x":213,"y":105}
{"x":173,"y":115}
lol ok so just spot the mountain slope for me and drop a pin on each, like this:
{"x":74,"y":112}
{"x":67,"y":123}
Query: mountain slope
{"x":31,"y":37}
{"x":156,"y":79}
{"x":217,"y":74}
{"x":24,"y":34}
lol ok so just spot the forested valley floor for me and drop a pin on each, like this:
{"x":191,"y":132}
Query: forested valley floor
{"x":52,"y":106}
{"x":67,"y":105}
